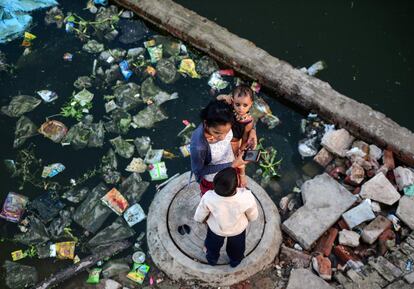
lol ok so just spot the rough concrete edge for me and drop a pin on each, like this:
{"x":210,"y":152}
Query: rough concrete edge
{"x":294,"y":86}
{"x":162,"y":248}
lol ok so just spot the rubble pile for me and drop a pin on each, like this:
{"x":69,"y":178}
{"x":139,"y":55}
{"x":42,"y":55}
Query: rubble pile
{"x":353,"y":229}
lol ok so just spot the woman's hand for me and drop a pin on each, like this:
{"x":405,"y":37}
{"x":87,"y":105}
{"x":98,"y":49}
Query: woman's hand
{"x":252,"y":140}
{"x":239,"y":162}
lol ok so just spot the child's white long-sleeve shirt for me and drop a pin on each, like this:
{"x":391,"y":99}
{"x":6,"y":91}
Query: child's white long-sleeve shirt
{"x":227,"y":216}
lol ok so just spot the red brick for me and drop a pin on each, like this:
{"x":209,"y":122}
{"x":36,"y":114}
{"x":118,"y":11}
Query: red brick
{"x":342,"y":224}
{"x":322,"y":266}
{"x":387,"y":235}
{"x":389,"y":159}
{"x":326,"y":242}
{"x":344,"y":254}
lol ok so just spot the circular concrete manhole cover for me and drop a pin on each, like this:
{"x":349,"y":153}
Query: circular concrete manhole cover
{"x":179,"y":252}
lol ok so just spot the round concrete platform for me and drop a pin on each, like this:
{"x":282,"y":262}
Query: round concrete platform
{"x":181,"y":256}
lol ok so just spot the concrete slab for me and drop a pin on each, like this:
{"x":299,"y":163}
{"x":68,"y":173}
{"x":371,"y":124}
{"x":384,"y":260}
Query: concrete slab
{"x":324,"y":202}
{"x":405,"y":211}
{"x":380,"y":189}
{"x":305,"y":279}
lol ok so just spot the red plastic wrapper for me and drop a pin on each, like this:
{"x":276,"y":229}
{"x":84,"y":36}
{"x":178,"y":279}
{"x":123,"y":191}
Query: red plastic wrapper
{"x":227,"y":72}
{"x":13,"y":207}
{"x":186,"y":122}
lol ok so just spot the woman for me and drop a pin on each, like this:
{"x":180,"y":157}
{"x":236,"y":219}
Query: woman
{"x":211,"y":149}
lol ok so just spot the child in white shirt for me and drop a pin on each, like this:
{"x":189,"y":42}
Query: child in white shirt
{"x":227,"y":211}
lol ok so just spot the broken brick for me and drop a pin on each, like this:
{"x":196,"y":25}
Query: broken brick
{"x":326,"y":242}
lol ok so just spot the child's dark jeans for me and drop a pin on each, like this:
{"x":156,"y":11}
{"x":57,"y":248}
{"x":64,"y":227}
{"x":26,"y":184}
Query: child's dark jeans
{"x":235,"y":247}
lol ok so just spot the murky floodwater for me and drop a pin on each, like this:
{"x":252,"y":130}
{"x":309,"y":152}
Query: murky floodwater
{"x":45,"y":68}
{"x":368,"y":45}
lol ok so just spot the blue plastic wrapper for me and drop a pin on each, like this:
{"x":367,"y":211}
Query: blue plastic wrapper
{"x":124,"y":66}
{"x":101,"y":2}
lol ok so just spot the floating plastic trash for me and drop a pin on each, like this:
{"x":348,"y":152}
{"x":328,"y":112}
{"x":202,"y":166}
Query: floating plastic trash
{"x":47,"y":206}
{"x":138,"y":257}
{"x":84,"y":97}
{"x":124,"y":67}
{"x":138,"y":273}
{"x":47,"y":95}
{"x":409,"y":191}
{"x":166,"y":71}
{"x":134,"y":215}
{"x":19,"y":276}
{"x":28,"y":38}
{"x":137,"y":165}
{"x":65,"y":250}
{"x":25,"y":129}
{"x":13,"y":207}
{"x":132,"y":30}
{"x":133,"y":188}
{"x":217,"y":82}
{"x":226,"y":72}
{"x":155,"y":53}
{"x":315,"y":68}
{"x":187,"y":67}
{"x":151,"y":70}
{"x":68,"y":56}
{"x":119,"y":230}
{"x":19,"y":105}
{"x":185,"y":150}
{"x":122,"y":147}
{"x":255,"y":86}
{"x":153,"y":156}
{"x":54,"y":130}
{"x":52,"y":170}
{"x":18,"y":255}
{"x":206,"y":66}
{"x":308,"y":147}
{"x":92,"y":213}
{"x":147,"y":117}
{"x":93,"y":46}
{"x":94,"y":274}
{"x":115,"y":201}
{"x":110,"y":106}
{"x":158,"y":171}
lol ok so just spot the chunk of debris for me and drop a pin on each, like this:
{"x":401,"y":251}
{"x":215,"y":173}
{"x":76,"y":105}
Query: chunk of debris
{"x":337,"y":141}
{"x":380,"y":189}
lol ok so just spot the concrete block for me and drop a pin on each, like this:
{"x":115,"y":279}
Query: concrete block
{"x":359,"y":214}
{"x":349,"y":238}
{"x":303,"y":278}
{"x":405,"y":211}
{"x":324,"y":202}
{"x":380,"y":189}
{"x":374,"y":229}
{"x":337,"y":141}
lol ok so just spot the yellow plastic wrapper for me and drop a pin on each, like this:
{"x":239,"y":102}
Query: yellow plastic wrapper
{"x":65,"y":250}
{"x":28,"y":37}
{"x":18,"y":255}
{"x":187,"y":66}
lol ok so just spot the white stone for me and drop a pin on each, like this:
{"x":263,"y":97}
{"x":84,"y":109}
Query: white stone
{"x":359,"y":214}
{"x":375,"y":152}
{"x":376,"y":207}
{"x":404,"y":177}
{"x":337,"y":141}
{"x":380,"y":189}
{"x":374,"y":229}
{"x":349,"y":238}
{"x":324,"y":202}
{"x":405,"y":211}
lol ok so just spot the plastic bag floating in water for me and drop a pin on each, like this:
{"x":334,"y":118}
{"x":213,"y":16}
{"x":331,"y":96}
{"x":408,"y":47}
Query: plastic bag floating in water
{"x":13,"y":207}
{"x":19,"y":105}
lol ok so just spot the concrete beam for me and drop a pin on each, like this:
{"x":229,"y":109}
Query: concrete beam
{"x":290,"y":84}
